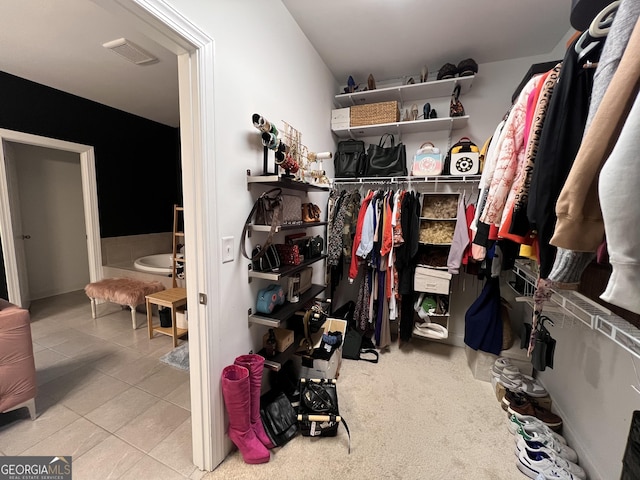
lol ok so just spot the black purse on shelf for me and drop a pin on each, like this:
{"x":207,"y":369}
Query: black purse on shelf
{"x":386,"y":161}
{"x":265,"y":259}
{"x":349,"y":159}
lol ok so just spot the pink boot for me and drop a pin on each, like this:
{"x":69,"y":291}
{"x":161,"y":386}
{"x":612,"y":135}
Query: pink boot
{"x":237,"y":398}
{"x":255,"y":365}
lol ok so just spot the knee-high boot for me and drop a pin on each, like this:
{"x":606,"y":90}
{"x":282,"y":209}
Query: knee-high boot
{"x":237,"y":398}
{"x":255,"y":365}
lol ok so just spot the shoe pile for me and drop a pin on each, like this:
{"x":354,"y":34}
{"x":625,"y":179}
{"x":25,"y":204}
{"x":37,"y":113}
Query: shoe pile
{"x":542,"y":453}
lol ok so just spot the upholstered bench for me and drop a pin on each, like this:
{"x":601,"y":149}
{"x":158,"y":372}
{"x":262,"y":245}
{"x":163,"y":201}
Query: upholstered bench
{"x":123,"y":291}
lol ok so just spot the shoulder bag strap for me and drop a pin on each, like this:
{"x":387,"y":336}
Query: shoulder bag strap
{"x":275,"y":220}
{"x":306,"y":341}
{"x":371,"y":351}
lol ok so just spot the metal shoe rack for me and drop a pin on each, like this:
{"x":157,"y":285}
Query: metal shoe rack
{"x":577,"y":307}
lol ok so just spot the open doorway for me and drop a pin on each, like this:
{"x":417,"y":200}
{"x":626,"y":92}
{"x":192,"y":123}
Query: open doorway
{"x":52,"y":212}
{"x":12,"y":222}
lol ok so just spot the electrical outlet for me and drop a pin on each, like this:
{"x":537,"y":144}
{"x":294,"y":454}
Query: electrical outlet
{"x":227,"y":249}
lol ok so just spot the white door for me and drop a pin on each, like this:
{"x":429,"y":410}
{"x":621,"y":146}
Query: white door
{"x":13,"y":239}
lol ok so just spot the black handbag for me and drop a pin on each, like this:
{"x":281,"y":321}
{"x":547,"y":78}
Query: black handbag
{"x":386,"y":161}
{"x":353,"y":348}
{"x":349,"y":159}
{"x":265,"y":259}
{"x":315,"y":247}
{"x":278,"y":418}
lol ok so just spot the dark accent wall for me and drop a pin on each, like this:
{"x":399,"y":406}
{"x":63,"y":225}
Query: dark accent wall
{"x":137,"y":160}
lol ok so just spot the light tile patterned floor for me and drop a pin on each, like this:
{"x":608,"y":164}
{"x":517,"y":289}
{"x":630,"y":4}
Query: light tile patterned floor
{"x":104,"y":397}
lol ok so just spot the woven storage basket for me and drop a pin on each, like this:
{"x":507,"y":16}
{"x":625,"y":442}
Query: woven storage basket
{"x":437,"y":232}
{"x":374,"y":114}
{"x":440,"y":205}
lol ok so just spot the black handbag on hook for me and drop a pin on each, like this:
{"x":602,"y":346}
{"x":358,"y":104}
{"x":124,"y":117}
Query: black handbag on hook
{"x":545,"y":345}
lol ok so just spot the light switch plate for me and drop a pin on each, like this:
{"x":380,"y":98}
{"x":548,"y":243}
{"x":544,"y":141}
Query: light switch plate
{"x":227,"y":249}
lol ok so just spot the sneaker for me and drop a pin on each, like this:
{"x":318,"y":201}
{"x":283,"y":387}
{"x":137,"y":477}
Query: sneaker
{"x":546,"y":453}
{"x":542,"y":440}
{"x":499,"y":365}
{"x":554,"y":474}
{"x":534,"y":463}
{"x":514,"y":395}
{"x":531,"y":409}
{"x":531,"y":387}
{"x":523,"y":421}
{"x":531,"y":430}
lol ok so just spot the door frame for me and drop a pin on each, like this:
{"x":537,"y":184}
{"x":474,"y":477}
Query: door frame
{"x":161,"y":22}
{"x":89,"y":198}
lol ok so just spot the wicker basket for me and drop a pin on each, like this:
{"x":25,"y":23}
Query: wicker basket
{"x":375,"y":114}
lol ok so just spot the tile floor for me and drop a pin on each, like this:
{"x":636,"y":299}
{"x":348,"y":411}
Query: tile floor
{"x":103,"y":396}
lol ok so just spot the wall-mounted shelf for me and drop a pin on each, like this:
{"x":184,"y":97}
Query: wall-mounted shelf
{"x":267,"y":228}
{"x":278,"y":181}
{"x":284,"y":271}
{"x":588,"y":312}
{"x":282,"y":313}
{"x":399,"y":128}
{"x":406,"y":93}
{"x":275,"y":363}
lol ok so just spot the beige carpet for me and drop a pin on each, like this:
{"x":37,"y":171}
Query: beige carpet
{"x":417,"y":414}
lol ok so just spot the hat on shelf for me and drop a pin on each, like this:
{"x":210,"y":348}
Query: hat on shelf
{"x":448,"y":70}
{"x":467,"y":67}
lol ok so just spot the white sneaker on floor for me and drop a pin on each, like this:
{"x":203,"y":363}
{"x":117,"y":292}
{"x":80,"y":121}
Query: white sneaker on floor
{"x":516,"y":421}
{"x":544,"y":453}
{"x":530,"y":430}
{"x":499,"y":365}
{"x":555,"y":474}
{"x":543,"y":442}
{"x":533,"y":464}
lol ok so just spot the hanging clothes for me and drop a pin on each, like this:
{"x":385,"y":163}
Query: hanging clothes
{"x":559,"y":143}
{"x":580,"y":226}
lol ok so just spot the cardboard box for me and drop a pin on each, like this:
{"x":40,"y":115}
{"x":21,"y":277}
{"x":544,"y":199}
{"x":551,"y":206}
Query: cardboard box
{"x":431,"y":280}
{"x":307,"y":367}
{"x":284,"y":338}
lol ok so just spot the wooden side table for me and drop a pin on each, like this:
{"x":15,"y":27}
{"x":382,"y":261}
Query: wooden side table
{"x":172,"y":298}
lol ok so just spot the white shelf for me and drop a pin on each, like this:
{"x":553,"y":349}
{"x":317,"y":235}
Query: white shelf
{"x":398,"y":128}
{"x":407,"y":93}
{"x":409,"y":179}
{"x":588,"y":312}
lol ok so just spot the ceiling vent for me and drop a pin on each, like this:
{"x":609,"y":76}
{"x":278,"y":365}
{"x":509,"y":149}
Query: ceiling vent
{"x":130,"y":51}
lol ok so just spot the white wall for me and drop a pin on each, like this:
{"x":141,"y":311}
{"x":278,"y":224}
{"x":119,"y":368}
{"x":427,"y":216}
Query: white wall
{"x":263,"y":64}
{"x":52,"y":210}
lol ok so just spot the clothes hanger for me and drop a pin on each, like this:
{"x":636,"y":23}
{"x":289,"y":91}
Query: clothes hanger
{"x":601,"y":24}
{"x":598,"y":29}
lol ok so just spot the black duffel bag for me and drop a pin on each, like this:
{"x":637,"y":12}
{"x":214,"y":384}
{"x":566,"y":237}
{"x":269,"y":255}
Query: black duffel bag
{"x":349,"y":159}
